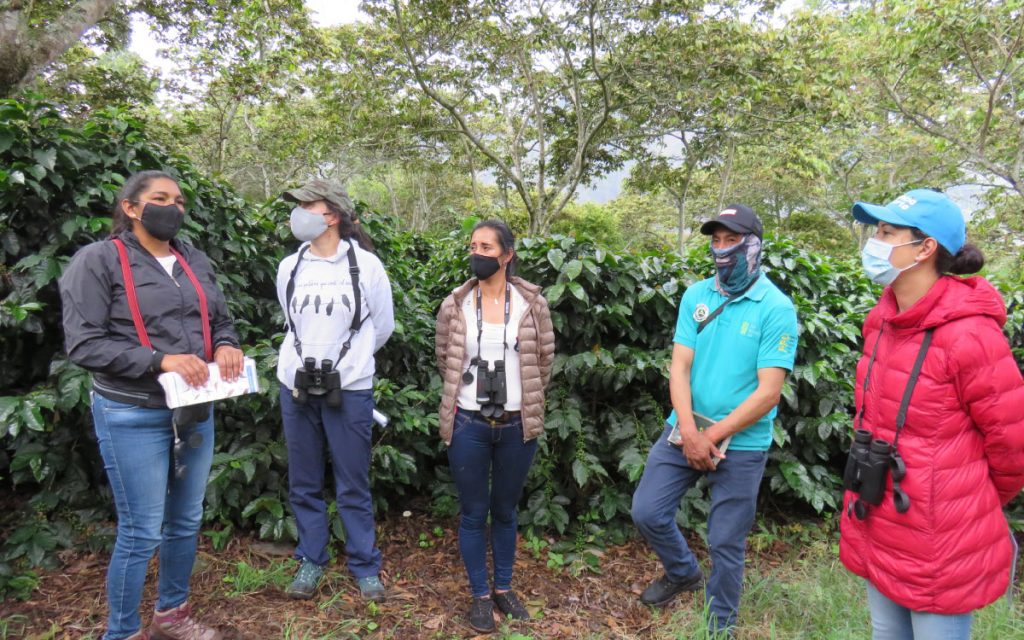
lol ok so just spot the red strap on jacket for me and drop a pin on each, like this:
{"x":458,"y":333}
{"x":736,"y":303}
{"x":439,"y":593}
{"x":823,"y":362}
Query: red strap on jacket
{"x":133,"y":301}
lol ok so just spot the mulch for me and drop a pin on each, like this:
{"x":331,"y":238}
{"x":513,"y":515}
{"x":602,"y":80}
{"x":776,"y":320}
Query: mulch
{"x":427,"y":594}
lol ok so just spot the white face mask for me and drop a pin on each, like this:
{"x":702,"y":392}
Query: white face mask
{"x":307,"y":225}
{"x":875,"y":259}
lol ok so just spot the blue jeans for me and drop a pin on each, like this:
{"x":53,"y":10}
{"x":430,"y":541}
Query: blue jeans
{"x":489,"y":465}
{"x":734,"y":486}
{"x":313,"y":431}
{"x":891,"y":621}
{"x":154,"y":508}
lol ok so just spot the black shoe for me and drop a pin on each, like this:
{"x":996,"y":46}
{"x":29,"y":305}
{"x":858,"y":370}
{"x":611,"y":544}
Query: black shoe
{"x":510,"y":605}
{"x":481,"y":615}
{"x":662,"y":590}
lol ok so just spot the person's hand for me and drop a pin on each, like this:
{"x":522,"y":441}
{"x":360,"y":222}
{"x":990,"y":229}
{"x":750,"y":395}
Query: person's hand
{"x":188,"y":366}
{"x":229,"y":361}
{"x":700,"y":451}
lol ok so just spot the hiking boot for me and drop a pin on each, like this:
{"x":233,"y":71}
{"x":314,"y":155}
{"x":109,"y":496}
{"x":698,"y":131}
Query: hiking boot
{"x":178,"y":624}
{"x":371,"y":588}
{"x":307,"y":578}
{"x":509,"y":604}
{"x":481,"y":615}
{"x":662,"y":591}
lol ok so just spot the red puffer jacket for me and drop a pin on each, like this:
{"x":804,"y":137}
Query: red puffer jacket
{"x":963,"y":444}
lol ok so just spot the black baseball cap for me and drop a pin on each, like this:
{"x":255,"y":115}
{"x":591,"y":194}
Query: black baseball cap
{"x":735,"y":217}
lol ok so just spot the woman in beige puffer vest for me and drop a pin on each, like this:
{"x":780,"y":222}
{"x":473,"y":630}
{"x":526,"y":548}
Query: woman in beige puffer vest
{"x":492,"y":317}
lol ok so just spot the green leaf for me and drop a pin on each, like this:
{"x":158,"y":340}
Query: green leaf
{"x":31,"y":416}
{"x":580,"y":473}
{"x":556,"y":257}
{"x":573,"y":269}
{"x":46,"y":158}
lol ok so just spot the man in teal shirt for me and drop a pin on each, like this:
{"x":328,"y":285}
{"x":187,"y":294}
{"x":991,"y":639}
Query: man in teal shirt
{"x":735,"y":341}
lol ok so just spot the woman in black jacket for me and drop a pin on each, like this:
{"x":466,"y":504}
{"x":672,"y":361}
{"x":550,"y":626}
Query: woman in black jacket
{"x":137,"y":305}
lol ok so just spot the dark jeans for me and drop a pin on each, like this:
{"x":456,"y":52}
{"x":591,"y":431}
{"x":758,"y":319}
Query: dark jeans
{"x":313,"y":431}
{"x":489,"y":465}
{"x":154,"y":507}
{"x":734,"y":486}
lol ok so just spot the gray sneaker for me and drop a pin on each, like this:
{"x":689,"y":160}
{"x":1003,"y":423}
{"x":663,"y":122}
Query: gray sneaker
{"x":371,"y":588}
{"x":303,"y":587}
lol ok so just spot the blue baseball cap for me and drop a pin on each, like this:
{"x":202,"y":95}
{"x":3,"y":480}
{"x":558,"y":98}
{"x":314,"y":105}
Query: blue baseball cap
{"x":933,"y":213}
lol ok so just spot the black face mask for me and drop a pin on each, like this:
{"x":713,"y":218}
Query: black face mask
{"x":484,"y":266}
{"x":162,"y":221}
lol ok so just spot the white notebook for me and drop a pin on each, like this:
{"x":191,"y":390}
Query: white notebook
{"x":179,"y":394}
{"x":702,"y":422}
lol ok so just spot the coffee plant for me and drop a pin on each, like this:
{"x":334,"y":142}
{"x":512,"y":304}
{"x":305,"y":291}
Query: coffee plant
{"x":614,"y":315}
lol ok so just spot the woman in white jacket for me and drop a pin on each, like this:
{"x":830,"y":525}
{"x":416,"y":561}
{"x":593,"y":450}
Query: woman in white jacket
{"x":337,"y":302}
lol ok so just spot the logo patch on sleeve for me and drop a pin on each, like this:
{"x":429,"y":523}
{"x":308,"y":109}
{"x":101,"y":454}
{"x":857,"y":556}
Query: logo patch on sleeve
{"x":701,"y":312}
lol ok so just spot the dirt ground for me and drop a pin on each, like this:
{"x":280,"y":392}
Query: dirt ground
{"x":428,"y":594}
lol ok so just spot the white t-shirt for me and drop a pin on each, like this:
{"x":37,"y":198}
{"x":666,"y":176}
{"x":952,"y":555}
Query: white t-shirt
{"x":322,"y":307}
{"x":167,"y":262}
{"x":492,"y":350}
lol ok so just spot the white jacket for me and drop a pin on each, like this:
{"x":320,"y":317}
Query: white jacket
{"x":322,"y":305}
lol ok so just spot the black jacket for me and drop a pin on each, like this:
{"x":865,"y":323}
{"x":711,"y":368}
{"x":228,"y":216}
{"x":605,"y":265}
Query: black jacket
{"x":99,"y":334}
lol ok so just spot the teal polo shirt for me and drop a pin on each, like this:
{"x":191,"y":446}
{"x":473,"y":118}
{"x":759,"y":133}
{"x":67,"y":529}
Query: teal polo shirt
{"x":756,"y":331}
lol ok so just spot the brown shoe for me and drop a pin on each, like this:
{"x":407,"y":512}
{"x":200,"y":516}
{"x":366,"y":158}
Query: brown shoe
{"x":142,"y":634}
{"x":178,"y":624}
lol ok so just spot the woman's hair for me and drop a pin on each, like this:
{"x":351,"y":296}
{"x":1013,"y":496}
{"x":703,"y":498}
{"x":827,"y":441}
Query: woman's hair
{"x":505,"y":239}
{"x":130,"y":191}
{"x":969,"y":259}
{"x":347,"y":228}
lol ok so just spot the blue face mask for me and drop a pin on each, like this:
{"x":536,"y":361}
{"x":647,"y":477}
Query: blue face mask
{"x":307,"y":225}
{"x":739,"y":265}
{"x":875,"y":259}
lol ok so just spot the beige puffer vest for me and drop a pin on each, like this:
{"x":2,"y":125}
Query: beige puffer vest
{"x":536,"y":353}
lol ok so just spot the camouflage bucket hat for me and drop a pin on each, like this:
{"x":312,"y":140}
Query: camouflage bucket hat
{"x":333,"y":193}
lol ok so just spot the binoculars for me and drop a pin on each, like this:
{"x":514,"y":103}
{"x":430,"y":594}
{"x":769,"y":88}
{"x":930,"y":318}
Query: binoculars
{"x":323,"y":381}
{"x":491,"y":393}
{"x":869,"y":463}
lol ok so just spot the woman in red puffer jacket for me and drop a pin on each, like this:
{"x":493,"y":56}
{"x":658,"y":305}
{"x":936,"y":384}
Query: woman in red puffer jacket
{"x":936,"y":545}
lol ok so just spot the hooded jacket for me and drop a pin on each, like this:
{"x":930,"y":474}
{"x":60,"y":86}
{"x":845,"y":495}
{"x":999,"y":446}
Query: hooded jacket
{"x":963,"y":445}
{"x":536,"y":353}
{"x":99,"y":334}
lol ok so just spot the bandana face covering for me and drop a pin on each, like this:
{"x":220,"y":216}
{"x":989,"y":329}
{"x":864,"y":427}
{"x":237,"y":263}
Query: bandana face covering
{"x":307,"y":225}
{"x":739,"y":265}
{"x":162,"y":221}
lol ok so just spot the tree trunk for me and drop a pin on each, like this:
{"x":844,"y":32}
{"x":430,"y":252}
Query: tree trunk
{"x":26,"y":51}
{"x":726,"y":175}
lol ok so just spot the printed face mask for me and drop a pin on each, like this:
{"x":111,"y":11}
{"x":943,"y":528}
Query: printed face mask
{"x":875,"y":259}
{"x":307,"y":225}
{"x":162,"y":221}
{"x":484,"y":266}
{"x":739,"y":265}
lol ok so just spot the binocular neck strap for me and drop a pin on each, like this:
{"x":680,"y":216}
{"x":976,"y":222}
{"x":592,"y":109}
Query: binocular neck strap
{"x":901,"y":417}
{"x":133,"y":300}
{"x":915,"y":372}
{"x":357,"y":317}
{"x":867,"y":377}
{"x":736,"y":296}
{"x":480,"y":320}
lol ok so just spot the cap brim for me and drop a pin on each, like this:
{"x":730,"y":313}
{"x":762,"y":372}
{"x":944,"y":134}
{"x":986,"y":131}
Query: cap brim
{"x":708,"y":227}
{"x":300,"y":195}
{"x":874,"y":213}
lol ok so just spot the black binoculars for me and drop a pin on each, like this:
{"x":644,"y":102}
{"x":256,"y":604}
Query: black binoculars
{"x":491,"y":393}
{"x":323,"y":381}
{"x":867,"y":466}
